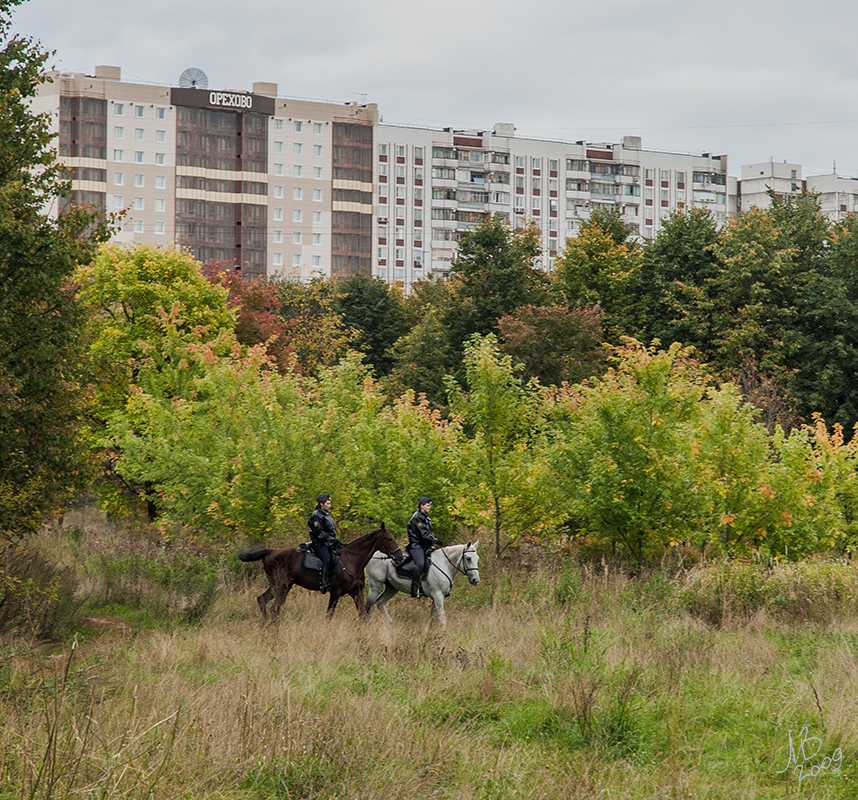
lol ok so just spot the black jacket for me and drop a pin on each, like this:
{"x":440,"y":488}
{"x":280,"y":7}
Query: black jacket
{"x":420,"y":531}
{"x":322,"y":528}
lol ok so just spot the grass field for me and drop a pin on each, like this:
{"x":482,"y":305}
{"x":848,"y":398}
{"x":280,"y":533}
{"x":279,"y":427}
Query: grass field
{"x":552,"y":679}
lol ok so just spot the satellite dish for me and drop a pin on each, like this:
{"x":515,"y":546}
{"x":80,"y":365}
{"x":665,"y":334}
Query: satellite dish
{"x":194,"y":78}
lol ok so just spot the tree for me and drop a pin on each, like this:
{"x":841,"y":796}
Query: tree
{"x":128,"y":291}
{"x":257,"y":307}
{"x":493,"y":274}
{"x":501,"y":474}
{"x":596,"y":270}
{"x":372,"y":309}
{"x":554,"y":344}
{"x":41,"y":395}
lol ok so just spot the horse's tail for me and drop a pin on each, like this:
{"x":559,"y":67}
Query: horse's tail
{"x":253,"y":555}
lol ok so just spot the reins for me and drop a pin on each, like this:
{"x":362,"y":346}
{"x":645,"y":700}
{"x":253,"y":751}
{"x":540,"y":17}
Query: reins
{"x":454,"y":565}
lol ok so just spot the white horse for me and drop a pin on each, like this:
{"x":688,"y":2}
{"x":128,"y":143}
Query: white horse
{"x":384,"y":583}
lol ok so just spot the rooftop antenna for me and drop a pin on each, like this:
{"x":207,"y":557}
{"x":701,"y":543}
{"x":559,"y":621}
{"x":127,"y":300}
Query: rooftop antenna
{"x":362,"y":97}
{"x":194,"y":78}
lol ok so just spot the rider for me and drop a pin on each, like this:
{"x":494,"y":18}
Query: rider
{"x":323,"y":532}
{"x":420,"y":541}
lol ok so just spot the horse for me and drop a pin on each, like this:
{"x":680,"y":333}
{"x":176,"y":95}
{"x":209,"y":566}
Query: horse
{"x":384,"y":583}
{"x":283,"y":569}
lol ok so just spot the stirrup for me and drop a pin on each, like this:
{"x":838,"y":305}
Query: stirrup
{"x":415,"y":588}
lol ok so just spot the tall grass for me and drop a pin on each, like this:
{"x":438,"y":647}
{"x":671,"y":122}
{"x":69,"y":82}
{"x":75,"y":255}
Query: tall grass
{"x":551,"y":680}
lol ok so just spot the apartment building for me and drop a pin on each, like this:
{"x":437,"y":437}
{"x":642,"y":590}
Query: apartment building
{"x":434,"y":185}
{"x":280,"y":186}
{"x":296,"y":188}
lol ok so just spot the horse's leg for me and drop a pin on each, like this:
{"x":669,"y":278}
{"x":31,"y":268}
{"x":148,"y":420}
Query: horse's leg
{"x":332,"y":604}
{"x":263,"y":600}
{"x":389,"y":592}
{"x":280,"y":598}
{"x":357,"y":596}
{"x":437,"y":614}
{"x":371,"y":597}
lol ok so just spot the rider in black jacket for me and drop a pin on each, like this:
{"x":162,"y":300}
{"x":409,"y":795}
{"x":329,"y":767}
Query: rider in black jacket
{"x":420,"y":541}
{"x":323,"y":532}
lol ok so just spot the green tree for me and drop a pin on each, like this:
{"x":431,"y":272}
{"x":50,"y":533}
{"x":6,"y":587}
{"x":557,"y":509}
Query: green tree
{"x":493,"y":274}
{"x":500,"y":469}
{"x":375,"y":312}
{"x":41,"y":394}
{"x":596,"y":270}
{"x":128,"y":292}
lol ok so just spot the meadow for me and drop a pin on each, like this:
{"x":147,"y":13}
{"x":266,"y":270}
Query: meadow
{"x":557,"y":676}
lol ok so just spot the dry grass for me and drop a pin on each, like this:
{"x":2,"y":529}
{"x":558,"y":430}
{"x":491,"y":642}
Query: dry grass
{"x":548,"y":682}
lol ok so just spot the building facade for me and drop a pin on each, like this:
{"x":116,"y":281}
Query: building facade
{"x":297,"y":188}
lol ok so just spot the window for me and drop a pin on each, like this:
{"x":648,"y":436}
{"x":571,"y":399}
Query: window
{"x":296,"y":259}
{"x":418,"y":194}
{"x":649,"y":174}
{"x":119,"y":109}
{"x":317,"y":238}
{"x":278,"y":147}
{"x":418,"y":215}
{"x":297,"y":171}
{"x":399,"y":274}
{"x":119,"y":155}
{"x":400,"y":171}
{"x":553,"y":164}
{"x":317,"y":149}
{"x":664,"y":174}
{"x":160,"y":204}
{"x":278,"y":124}
{"x":118,"y":201}
{"x":382,"y":169}
{"x":382,"y":253}
{"x":160,"y":181}
{"x":537,"y":163}
{"x":317,"y":261}
{"x":138,"y":226}
{"x":400,"y":253}
{"x":382,"y":149}
{"x":278,"y":169}
{"x":160,"y":159}
{"x":118,"y":132}
{"x":296,"y":237}
{"x":536,"y":204}
{"x":317,"y":128}
{"x":680,"y":177}
{"x":139,"y":134}
{"x":400,"y":150}
{"x":118,"y":178}
{"x":160,"y":227}
{"x":297,"y":148}
{"x":161,"y":113}
{"x":299,"y":126}
{"x":277,"y":214}
{"x":418,"y":173}
{"x":382,"y":273}
{"x":277,"y":259}
{"x":161,"y":136}
{"x":317,"y":216}
{"x":278,"y":193}
{"x":139,"y":110}
{"x":138,"y":156}
{"x":317,"y":195}
{"x":400,"y":191}
{"x":297,"y":215}
{"x":418,"y":152}
{"x":519,"y":161}
{"x":139,"y":203}
{"x":317,"y":172}
{"x":297,"y":193}
{"x":139,"y":179}
{"x":277,"y":237}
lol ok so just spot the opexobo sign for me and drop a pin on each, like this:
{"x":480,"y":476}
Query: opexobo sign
{"x":222,"y":101}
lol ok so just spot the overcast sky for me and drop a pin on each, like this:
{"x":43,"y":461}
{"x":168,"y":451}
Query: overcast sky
{"x":755,"y":79}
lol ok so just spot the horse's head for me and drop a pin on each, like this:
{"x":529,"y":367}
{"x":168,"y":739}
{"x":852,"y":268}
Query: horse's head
{"x":387,"y":544}
{"x":471,"y":563}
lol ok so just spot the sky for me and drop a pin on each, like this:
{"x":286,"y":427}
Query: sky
{"x":753,"y":79}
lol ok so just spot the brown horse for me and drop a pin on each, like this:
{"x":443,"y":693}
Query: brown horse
{"x":283,"y":569}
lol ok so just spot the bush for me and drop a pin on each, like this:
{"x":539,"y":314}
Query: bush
{"x":37,"y":598}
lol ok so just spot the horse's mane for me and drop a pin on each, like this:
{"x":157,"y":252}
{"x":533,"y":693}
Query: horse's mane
{"x":362,"y":536}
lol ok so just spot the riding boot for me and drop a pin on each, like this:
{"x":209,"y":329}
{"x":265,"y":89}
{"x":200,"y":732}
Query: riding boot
{"x":415,"y":585}
{"x":323,"y":588}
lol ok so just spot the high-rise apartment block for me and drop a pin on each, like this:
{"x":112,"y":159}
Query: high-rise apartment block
{"x":299,"y":188}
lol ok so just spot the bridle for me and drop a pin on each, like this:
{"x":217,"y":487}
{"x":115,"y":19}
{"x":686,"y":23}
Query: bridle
{"x":457,"y":567}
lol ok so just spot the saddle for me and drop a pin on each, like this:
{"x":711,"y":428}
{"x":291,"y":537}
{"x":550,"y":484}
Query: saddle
{"x":311,"y":564}
{"x":406,"y":568}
